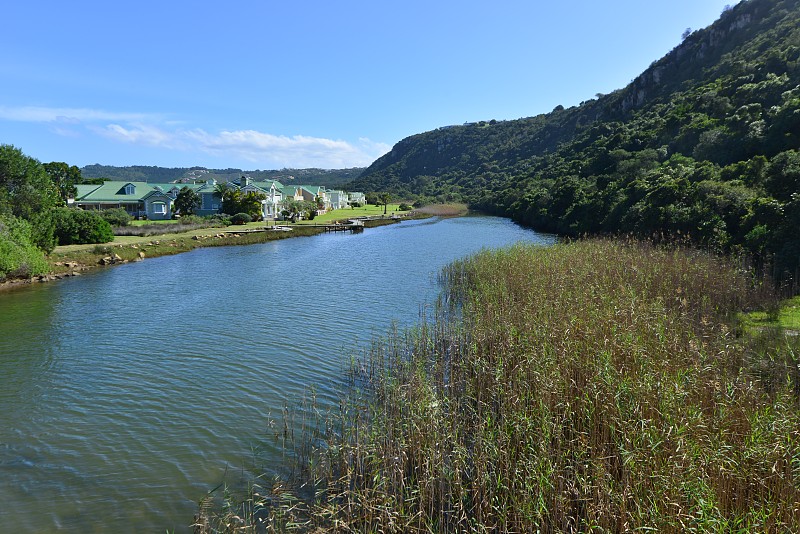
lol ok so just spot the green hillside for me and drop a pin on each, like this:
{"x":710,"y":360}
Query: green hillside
{"x":138,"y":173}
{"x":703,"y":143}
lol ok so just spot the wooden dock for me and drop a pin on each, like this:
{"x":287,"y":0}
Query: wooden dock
{"x":354,"y":226}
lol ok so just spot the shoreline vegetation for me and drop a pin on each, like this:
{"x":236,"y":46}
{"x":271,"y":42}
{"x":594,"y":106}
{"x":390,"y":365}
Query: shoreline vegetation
{"x":74,"y":260}
{"x":601,"y":385}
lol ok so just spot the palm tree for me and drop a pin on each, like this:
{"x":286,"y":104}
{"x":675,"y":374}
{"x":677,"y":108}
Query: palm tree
{"x":385,"y":198}
{"x":222,"y":190}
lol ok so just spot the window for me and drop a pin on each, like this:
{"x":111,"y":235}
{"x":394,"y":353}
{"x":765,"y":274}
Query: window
{"x":130,"y":189}
{"x":159,"y":208}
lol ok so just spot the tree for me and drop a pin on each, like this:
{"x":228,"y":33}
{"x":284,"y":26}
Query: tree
{"x":27,"y":192}
{"x":221,"y":191}
{"x":64,"y":177}
{"x":238,"y":202}
{"x":384,"y":199}
{"x":76,"y":227}
{"x":19,"y":257}
{"x":310,"y":208}
{"x":187,"y":201}
{"x":291,"y":209}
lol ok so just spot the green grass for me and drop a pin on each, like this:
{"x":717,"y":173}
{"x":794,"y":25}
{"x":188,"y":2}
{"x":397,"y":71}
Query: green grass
{"x":130,"y":248}
{"x":591,"y":386}
{"x":786,"y":317}
{"x":349,"y":213}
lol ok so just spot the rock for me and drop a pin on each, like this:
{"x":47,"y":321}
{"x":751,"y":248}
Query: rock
{"x":117,"y":258}
{"x":141,"y":255}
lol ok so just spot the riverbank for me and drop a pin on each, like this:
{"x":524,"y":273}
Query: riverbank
{"x":76,"y":260}
{"x":594,"y":385}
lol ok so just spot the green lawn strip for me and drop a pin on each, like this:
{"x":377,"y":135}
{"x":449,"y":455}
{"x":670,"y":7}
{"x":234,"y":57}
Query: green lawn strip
{"x":350,"y":213}
{"x":787,"y":318}
{"x":132,"y":248}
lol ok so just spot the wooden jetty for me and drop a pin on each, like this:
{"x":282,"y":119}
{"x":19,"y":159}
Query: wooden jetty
{"x":354,"y":226}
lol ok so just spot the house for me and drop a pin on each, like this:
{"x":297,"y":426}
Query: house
{"x":158,"y":204}
{"x":312,"y":193}
{"x":357,"y":197}
{"x":210,"y":201}
{"x":338,"y":199}
{"x":139,"y":199}
{"x":155,"y":201}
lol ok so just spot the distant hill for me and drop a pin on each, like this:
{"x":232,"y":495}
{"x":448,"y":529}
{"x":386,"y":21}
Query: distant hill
{"x":138,"y":173}
{"x":704,"y":144}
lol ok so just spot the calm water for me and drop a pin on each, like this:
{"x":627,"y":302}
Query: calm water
{"x":127,"y":392}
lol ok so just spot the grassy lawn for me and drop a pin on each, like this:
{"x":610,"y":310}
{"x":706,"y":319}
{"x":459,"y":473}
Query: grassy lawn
{"x":335,"y":215}
{"x":349,"y":213}
{"x":138,"y":240}
{"x":787,"y":318}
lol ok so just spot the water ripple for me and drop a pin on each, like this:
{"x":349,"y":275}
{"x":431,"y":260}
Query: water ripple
{"x":127,"y":393}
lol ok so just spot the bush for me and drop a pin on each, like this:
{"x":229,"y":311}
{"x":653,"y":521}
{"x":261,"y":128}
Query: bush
{"x":241,"y":218}
{"x":404,"y":207}
{"x":218,"y":219}
{"x":116,"y":216}
{"x":19,"y":257}
{"x":77,"y":227}
{"x":192,"y":219}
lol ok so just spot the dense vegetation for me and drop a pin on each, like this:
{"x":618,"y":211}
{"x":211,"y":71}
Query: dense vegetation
{"x":27,"y":229}
{"x":704,"y":143}
{"x":593,"y":386}
{"x":33,"y":216}
{"x":138,"y":173}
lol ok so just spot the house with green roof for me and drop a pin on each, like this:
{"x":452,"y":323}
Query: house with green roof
{"x":139,"y":199}
{"x":155,"y":201}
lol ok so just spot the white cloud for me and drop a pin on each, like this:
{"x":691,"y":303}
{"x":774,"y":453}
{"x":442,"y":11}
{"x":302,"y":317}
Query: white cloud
{"x":263,"y":150}
{"x":259,"y":148}
{"x":67,"y":115}
{"x":141,"y":134}
{"x":284,"y":151}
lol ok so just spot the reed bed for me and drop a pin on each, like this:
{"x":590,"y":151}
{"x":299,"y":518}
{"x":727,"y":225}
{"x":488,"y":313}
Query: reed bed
{"x":592,"y":386}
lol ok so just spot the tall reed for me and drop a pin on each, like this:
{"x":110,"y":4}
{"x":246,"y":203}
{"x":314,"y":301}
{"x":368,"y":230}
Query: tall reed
{"x":591,"y":386}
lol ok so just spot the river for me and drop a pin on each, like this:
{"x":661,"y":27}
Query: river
{"x":127,"y":393}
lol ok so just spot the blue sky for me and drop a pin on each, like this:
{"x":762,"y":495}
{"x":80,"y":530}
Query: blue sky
{"x":273,"y":84}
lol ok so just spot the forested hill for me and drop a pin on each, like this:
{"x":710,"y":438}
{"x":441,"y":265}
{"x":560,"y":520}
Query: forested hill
{"x":138,"y":173}
{"x":704,"y":142}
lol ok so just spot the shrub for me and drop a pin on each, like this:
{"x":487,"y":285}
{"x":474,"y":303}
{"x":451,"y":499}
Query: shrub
{"x":76,"y":227}
{"x":116,"y":216}
{"x":192,"y":219}
{"x":404,"y":207}
{"x":241,"y":218}
{"x":218,"y":219}
{"x":19,"y":257}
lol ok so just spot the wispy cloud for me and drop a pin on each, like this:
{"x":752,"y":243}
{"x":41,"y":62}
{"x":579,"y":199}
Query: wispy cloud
{"x":68,"y":115}
{"x":298,"y":150}
{"x":262,"y":149}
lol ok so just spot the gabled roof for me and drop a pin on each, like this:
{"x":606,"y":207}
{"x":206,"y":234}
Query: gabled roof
{"x":316,"y":190}
{"x":112,"y":192}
